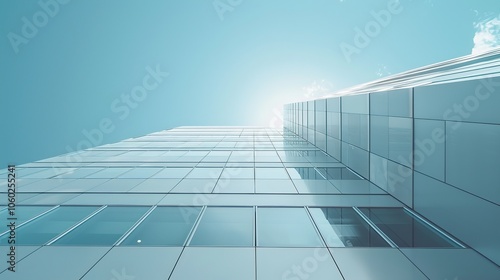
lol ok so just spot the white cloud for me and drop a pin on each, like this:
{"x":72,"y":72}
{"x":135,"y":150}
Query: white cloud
{"x":487,"y":35}
{"x":318,"y":89}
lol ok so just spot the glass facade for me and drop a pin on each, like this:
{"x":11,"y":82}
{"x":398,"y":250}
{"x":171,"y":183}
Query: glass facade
{"x":102,"y":229}
{"x":165,"y":226}
{"x":429,"y":138}
{"x":239,"y":195}
{"x":360,"y":186}
{"x":343,"y":227}
{"x":225,"y":226}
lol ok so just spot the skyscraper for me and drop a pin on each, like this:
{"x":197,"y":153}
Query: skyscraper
{"x":395,"y":179}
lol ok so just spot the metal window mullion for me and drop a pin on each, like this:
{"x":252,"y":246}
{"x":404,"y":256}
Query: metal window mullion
{"x":375,"y":227}
{"x":355,"y":173}
{"x":126,"y":234}
{"x":195,"y":226}
{"x":320,"y":174}
{"x":420,"y":219}
{"x":315,"y":226}
{"x":256,"y":237}
{"x":34,"y":218}
{"x":75,"y":226}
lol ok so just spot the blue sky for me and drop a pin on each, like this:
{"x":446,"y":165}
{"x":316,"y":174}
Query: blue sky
{"x":73,"y":70}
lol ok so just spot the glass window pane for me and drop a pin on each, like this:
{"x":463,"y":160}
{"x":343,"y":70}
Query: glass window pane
{"x":105,"y":228}
{"x":274,"y":186}
{"x":23,"y":213}
{"x":285,"y":227}
{"x":165,"y":226}
{"x":199,"y":173}
{"x":271,"y":173}
{"x":79,"y":173}
{"x":404,"y":230}
{"x":343,"y":227}
{"x":304,"y":173}
{"x":225,"y":226}
{"x":142,"y":172}
{"x":109,"y":173}
{"x":339,"y":173}
{"x":238,"y":173}
{"x":172,"y":172}
{"x":43,"y":229}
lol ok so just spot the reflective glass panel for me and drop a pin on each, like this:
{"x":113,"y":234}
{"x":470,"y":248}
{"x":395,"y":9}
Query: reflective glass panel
{"x":43,"y":229}
{"x":285,"y":227}
{"x":23,"y":213}
{"x":105,"y":228}
{"x":172,"y":172}
{"x":339,"y":173}
{"x":405,"y":230}
{"x":225,"y":226}
{"x":343,"y":227}
{"x":165,"y":226}
{"x":304,"y":173}
{"x":140,"y":173}
{"x":109,"y":173}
